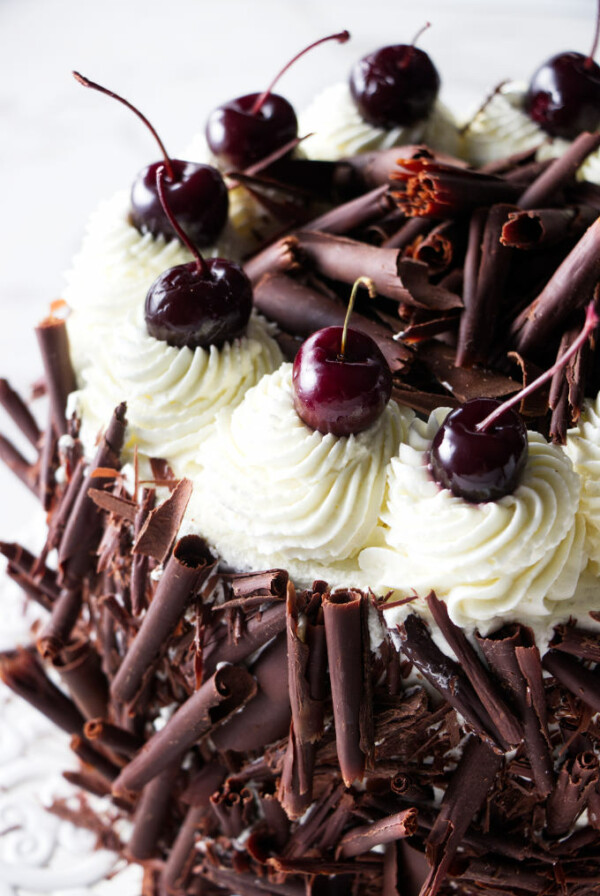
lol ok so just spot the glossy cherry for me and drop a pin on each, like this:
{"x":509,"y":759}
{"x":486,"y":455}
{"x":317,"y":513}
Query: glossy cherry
{"x":480,"y":449}
{"x":205,"y":302}
{"x":196,"y":193}
{"x":396,"y":85}
{"x":253,"y":126}
{"x":341,"y":381}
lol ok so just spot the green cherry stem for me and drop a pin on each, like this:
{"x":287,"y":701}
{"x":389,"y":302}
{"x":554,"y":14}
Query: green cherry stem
{"x":591,"y":322}
{"x":368,"y":284}
{"x":201,"y":265}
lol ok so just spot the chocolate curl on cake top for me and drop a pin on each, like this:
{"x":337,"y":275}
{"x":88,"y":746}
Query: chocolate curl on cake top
{"x":27,"y":472}
{"x":355,"y":213}
{"x":545,"y":227}
{"x":19,"y":413}
{"x":112,"y":737}
{"x":514,"y":658}
{"x":83,"y":528}
{"x":379,"y":167}
{"x":31,"y":572}
{"x":307,"y":683}
{"x":222,"y":695}
{"x":584,"y":683}
{"x":342,"y":613}
{"x":161,"y":525}
{"x":258,"y":630}
{"x":580,"y":642}
{"x":60,"y":377}
{"x":79,"y":667}
{"x":188,"y":568}
{"x":567,"y":388}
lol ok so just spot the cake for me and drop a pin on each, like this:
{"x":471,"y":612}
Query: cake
{"x":260,"y":637}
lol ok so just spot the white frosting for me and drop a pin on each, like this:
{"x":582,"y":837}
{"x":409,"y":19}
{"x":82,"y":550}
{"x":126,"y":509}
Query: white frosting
{"x":337,"y":128}
{"x":502,"y":128}
{"x":518,"y":557}
{"x":583,"y":447}
{"x":275,"y":492}
{"x":172,"y":394}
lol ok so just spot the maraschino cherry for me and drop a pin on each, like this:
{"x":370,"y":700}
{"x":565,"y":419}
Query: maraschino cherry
{"x":395,"y":85}
{"x":253,"y":126}
{"x":341,"y":381}
{"x":197,"y":193}
{"x":480,"y":449}
{"x":202,"y":303}
{"x":564,"y":94}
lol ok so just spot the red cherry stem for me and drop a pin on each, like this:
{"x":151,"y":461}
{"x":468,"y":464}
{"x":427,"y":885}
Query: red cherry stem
{"x":342,"y":37}
{"x":410,"y":50}
{"x":591,"y":322}
{"x":590,"y":60}
{"x":368,"y":284}
{"x":85,"y":82}
{"x":201,"y":265}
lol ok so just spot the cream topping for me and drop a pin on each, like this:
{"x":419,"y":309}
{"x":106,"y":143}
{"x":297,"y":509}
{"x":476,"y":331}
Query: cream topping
{"x":272,"y":491}
{"x":517,"y":557}
{"x":583,"y":447}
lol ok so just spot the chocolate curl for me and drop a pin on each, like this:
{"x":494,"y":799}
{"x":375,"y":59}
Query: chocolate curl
{"x":439,"y":247}
{"x":31,"y":570}
{"x":307,"y":683}
{"x":57,"y":630}
{"x":113,"y":738}
{"x":189,"y":566}
{"x":182,"y":853}
{"x":567,"y":386}
{"x":445,"y":676}
{"x":232,"y":809}
{"x":515,"y":659}
{"x":355,"y":213}
{"x":576,"y":779}
{"x":562,"y":170}
{"x":48,"y":464}
{"x":582,"y":682}
{"x":64,"y":508}
{"x":579,"y":642}
{"x":29,"y":589}
{"x":226,"y":692}
{"x":92,"y":757}
{"x":569,"y":288}
{"x":301,"y":310}
{"x":83,"y":529}
{"x":23,"y":673}
{"x":504,"y":719}
{"x":410,"y":230}
{"x":281,"y":256}
{"x":79,"y":667}
{"x":478,"y":322}
{"x":162,"y":524}
{"x":140,"y":562}
{"x":496,"y":875}
{"x":151,"y":813}
{"x":439,"y":190}
{"x":60,"y":377}
{"x":267,"y":584}
{"x":381,"y":166}
{"x":386,"y":830}
{"x":545,"y":226}
{"x":258,"y":630}
{"x":266,"y":717}
{"x":464,"y":796}
{"x":19,"y":413}
{"x":343,"y":631}
{"x":245,"y":883}
{"x":17,"y":464}
{"x":120,"y":507}
{"x":464,"y":382}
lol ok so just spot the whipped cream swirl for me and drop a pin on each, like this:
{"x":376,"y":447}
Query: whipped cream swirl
{"x":273,"y":491}
{"x":517,"y":557}
{"x":583,"y":447}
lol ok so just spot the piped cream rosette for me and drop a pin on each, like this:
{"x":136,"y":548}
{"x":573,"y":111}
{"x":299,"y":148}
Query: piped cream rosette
{"x":515,"y":558}
{"x":583,"y":447}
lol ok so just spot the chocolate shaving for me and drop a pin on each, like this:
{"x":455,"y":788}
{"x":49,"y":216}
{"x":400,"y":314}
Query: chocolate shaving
{"x":353,"y":214}
{"x":60,"y":378}
{"x":31,"y":570}
{"x":582,"y":682}
{"x":362,"y":839}
{"x":151,"y":813}
{"x":79,"y":667}
{"x":182,"y":854}
{"x":119,"y":506}
{"x":546,"y":226}
{"x":562,"y":170}
{"x":579,"y":642}
{"x":258,"y":630}
{"x":57,"y":631}
{"x":19,"y":413}
{"x":162,"y":524}
{"x":94,"y":758}
{"x":22,"y":672}
{"x":20,"y":466}
{"x":112,"y":737}
{"x":576,"y":779}
{"x":464,"y":383}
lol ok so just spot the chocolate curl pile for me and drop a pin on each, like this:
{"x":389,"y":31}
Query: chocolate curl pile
{"x":189,"y":566}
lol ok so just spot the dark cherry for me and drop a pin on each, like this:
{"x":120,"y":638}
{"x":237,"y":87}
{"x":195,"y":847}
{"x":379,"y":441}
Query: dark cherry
{"x":341,"y":381}
{"x":479,"y":466}
{"x":480,"y":449}
{"x":395,"y":85}
{"x":253,"y":126}
{"x":196,"y":193}
{"x":564,"y":95}
{"x":202,"y":303}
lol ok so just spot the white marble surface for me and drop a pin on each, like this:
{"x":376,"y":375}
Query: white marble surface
{"x":62,"y":148}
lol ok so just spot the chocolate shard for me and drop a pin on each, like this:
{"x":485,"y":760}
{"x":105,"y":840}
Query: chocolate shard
{"x":151,"y":813}
{"x":60,"y":377}
{"x":226,"y":692}
{"x":162,"y":524}
{"x":514,"y":658}
{"x":83,"y":529}
{"x":580,"y":642}
{"x":189,"y":566}
{"x":569,"y":288}
{"x":464,"y":383}
{"x":19,"y":465}
{"x":485,"y":687}
{"x":583,"y":682}
{"x":32,"y":570}
{"x":576,"y":779}
{"x":465,"y":795}
{"x":23,"y":673}
{"x":56,"y":632}
{"x":79,"y":667}
{"x":446,"y":676}
{"x":258,"y":630}
{"x":562,"y":170}
{"x":118,"y":505}
{"x":343,"y":631}
{"x":387,"y":830}
{"x":19,"y":413}
{"x":300,"y":310}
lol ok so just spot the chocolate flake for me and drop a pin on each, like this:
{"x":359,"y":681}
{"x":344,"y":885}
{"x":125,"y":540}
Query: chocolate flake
{"x":162,"y":524}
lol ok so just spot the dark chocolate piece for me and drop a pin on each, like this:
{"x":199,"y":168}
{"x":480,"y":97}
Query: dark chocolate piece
{"x":562,"y":170}
{"x":577,"y":777}
{"x":140,"y":563}
{"x":79,"y":667}
{"x":162,"y":524}
{"x":60,"y":377}
{"x":280,"y":257}
{"x":151,"y":813}
{"x":407,"y":233}
{"x":546,"y":226}
{"x":182,"y":854}
{"x":56,"y":632}
{"x":23,"y":673}
{"x":112,"y":737}
{"x":580,"y":642}
{"x":387,"y":830}
{"x":258,"y":630}
{"x":31,"y":569}
{"x":583,"y":682}
{"x":19,"y":465}
{"x":94,"y":758}
{"x":19,"y":413}
{"x":353,"y":214}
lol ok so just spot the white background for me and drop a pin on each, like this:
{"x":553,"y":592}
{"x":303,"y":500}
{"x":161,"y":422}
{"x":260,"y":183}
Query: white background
{"x":63,"y":148}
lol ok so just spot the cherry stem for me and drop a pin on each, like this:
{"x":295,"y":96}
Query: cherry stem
{"x":590,"y":60}
{"x":85,"y":82}
{"x":411,"y":47}
{"x":591,"y":322}
{"x":201,"y":265}
{"x":368,"y":284}
{"x":341,"y":37}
